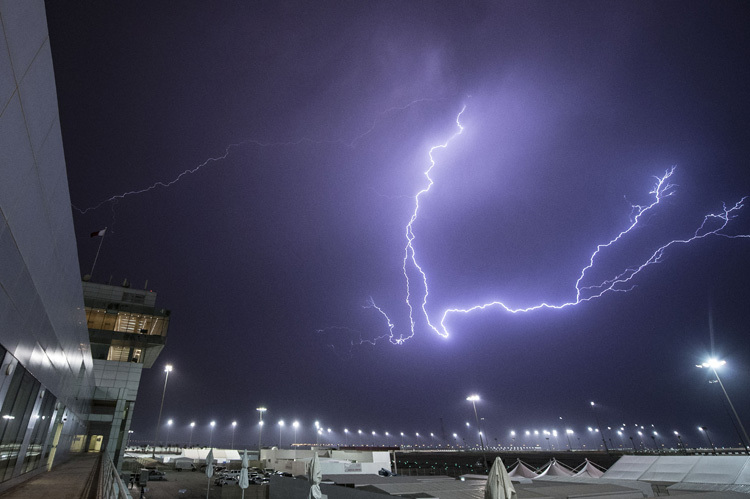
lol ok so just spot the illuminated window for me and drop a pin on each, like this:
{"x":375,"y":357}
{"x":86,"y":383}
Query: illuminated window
{"x":119,"y":354}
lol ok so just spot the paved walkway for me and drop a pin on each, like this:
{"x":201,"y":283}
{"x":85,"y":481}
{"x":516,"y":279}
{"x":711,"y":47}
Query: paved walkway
{"x":65,"y":481}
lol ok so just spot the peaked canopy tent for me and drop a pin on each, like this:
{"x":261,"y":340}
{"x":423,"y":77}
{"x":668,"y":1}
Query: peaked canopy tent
{"x":522,"y":470}
{"x":589,"y":469}
{"x":555,"y":468}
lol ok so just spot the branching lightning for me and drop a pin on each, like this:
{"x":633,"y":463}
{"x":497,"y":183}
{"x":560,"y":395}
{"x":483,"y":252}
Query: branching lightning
{"x":713,"y":224}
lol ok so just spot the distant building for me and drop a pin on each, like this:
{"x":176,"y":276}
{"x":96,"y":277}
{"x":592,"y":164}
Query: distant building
{"x":127,"y":332}
{"x":46,"y":369}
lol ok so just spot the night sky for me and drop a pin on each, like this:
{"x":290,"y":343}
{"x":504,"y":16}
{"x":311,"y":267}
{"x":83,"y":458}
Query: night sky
{"x":269,"y":255}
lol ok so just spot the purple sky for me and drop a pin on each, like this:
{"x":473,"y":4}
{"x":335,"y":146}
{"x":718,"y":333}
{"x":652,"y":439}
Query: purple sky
{"x":572,"y":110}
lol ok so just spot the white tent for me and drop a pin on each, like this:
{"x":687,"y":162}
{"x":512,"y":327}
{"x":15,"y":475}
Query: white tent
{"x":720,"y":471}
{"x":589,"y":469}
{"x":220,"y":455}
{"x":555,"y":468}
{"x":522,"y":470}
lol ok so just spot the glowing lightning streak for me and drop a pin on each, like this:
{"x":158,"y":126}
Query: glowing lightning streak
{"x":621,"y":282}
{"x":351,"y":145}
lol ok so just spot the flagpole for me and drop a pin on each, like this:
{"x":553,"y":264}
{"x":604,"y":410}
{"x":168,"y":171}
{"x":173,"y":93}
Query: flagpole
{"x":97,"y":252}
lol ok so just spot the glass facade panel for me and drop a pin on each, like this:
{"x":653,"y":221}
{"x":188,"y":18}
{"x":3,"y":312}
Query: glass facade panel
{"x":126,"y":322}
{"x":42,"y":422}
{"x":14,"y":418}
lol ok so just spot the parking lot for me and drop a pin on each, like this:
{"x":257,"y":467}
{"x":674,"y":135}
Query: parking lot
{"x":192,"y":485}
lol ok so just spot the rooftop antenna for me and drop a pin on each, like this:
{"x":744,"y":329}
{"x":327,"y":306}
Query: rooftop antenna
{"x":145,"y":286}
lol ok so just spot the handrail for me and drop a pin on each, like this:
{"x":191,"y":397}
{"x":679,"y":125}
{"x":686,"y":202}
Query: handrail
{"x":111,"y":485}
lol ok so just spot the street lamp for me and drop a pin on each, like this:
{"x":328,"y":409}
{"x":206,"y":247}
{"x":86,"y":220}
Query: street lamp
{"x":211,"y":433}
{"x":169,"y":427}
{"x":295,"y":425}
{"x":679,"y":439}
{"x":474,"y":399}
{"x":346,"y":437}
{"x":714,"y":364}
{"x":705,"y":430}
{"x":599,"y":426}
{"x":260,"y":410}
{"x":281,"y":425}
{"x":167,"y":369}
{"x":568,"y":433}
{"x":190,"y":441}
{"x":234,"y":426}
{"x":130,"y":432}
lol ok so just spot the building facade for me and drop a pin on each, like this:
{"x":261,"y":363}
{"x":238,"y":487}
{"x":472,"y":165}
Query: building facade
{"x":46,"y":367}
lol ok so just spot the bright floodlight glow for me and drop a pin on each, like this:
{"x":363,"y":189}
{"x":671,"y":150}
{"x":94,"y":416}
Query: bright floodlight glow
{"x":281,"y":423}
{"x":213,"y":423}
{"x":192,"y":424}
{"x":676,"y":432}
{"x":528,"y":432}
{"x":512,"y":433}
{"x":402,"y":433}
{"x":169,"y":422}
{"x":592,"y":402}
{"x":455,"y":435}
{"x":359,"y":431}
{"x":536,"y":432}
{"x":168,"y":368}
{"x":467,"y":424}
{"x":234,"y":423}
{"x":417,"y":433}
{"x":346,"y":431}
{"x":619,"y":432}
{"x":261,"y":409}
{"x":373,"y":433}
{"x":713,"y":363}
{"x":473,"y":398}
{"x":261,"y":423}
{"x":295,"y":424}
{"x":569,"y":431}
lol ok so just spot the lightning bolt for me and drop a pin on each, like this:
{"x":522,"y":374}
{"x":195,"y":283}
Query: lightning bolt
{"x":713,"y":224}
{"x":351,"y":145}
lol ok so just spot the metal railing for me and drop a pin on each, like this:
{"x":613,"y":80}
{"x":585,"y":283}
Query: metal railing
{"x":110,"y":485}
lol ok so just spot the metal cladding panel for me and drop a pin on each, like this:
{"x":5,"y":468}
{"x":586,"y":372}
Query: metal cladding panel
{"x":42,"y":322}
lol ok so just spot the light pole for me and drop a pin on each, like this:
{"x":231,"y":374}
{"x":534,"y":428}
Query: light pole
{"x":130,"y":432}
{"x":599,"y":426}
{"x":346,"y":437}
{"x":167,"y":369}
{"x":211,"y":433}
{"x":714,"y":364}
{"x":359,"y":433}
{"x":190,"y":441}
{"x":679,"y":439}
{"x":260,"y":410}
{"x":281,"y":425}
{"x":169,"y":428}
{"x":569,"y":432}
{"x":705,"y":430}
{"x":234,"y":426}
{"x":473,"y":399}
{"x":295,"y":425}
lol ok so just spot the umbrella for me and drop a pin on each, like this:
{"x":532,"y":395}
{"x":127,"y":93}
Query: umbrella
{"x":499,"y":485}
{"x":209,"y":469}
{"x":315,"y":475}
{"x":244,"y":482}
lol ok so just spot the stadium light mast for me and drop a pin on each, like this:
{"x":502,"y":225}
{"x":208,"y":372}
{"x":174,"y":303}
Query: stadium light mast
{"x":473,"y":399}
{"x":714,"y":364}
